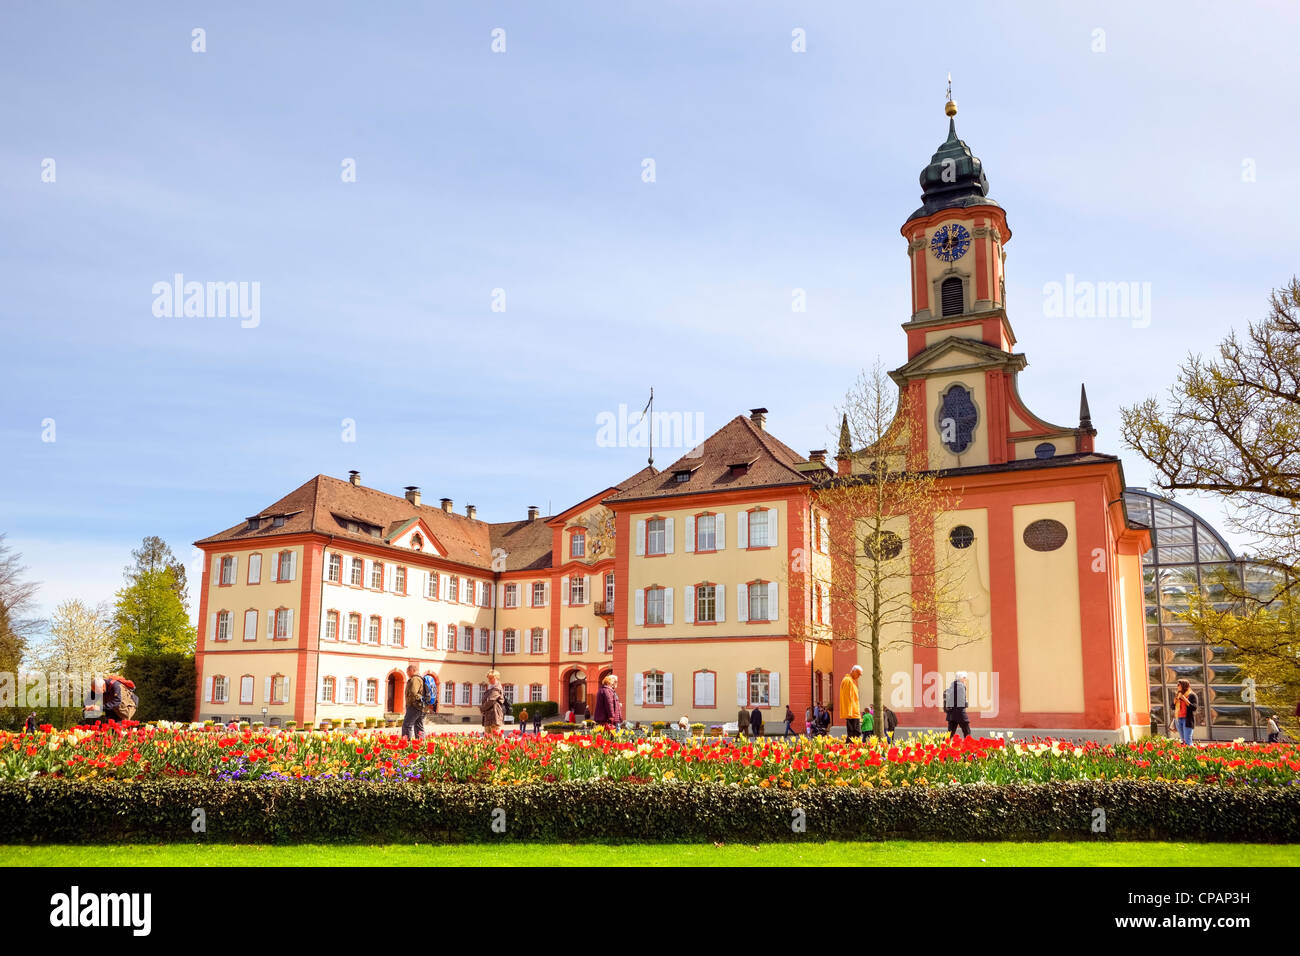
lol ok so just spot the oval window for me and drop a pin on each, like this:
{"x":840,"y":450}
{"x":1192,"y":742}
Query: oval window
{"x":883,"y":546}
{"x":1045,"y":450}
{"x":961,"y":537}
{"x":1045,"y":534}
{"x":957,"y":417}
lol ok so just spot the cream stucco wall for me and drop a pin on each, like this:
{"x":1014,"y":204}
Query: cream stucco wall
{"x":727,"y":658}
{"x":1049,"y":631}
{"x":977,"y":453}
{"x":964,"y":572}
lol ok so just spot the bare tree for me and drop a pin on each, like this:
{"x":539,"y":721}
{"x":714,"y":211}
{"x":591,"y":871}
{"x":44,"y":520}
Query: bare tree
{"x":17,"y":604}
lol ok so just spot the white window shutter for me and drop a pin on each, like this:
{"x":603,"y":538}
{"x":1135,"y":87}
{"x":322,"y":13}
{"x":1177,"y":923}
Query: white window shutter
{"x":742,"y":602}
{"x":720,"y":531}
{"x":688,"y":605}
{"x":293,"y":565}
{"x":546,"y":594}
{"x":501,"y":596}
{"x":266,"y":690}
{"x":638,"y":689}
{"x":255,"y":568}
{"x":207,"y":688}
{"x":668,"y":536}
{"x":668,"y":605}
{"x":742,"y":690}
{"x":640,"y":606}
{"x":586,"y":589}
{"x":270,"y":624}
{"x":287,"y":698}
{"x":668,"y":690}
{"x":690,"y":533}
{"x":365,"y":572}
{"x":320,"y":692}
{"x":478,"y":694}
{"x":640,"y":537}
{"x":772,"y":521}
{"x":496,"y":637}
{"x":565,"y":593}
{"x":546,"y":640}
{"x":584,"y":640}
{"x":773,"y":599}
{"x":444,"y":586}
{"x":826,"y":534}
{"x":212,"y":626}
{"x":546,"y":691}
{"x":742,"y":529}
{"x":774,"y":688}
{"x":720,"y":593}
{"x":289,"y":624}
{"x":325,"y":565}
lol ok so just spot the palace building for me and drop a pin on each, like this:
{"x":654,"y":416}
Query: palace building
{"x":705,"y":586}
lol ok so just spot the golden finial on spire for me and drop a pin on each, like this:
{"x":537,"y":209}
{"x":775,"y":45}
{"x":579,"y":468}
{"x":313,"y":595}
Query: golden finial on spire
{"x":950,"y":108}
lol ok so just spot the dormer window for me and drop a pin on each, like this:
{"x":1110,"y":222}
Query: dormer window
{"x":254,"y":523}
{"x":277,"y":521}
{"x":739,"y":467}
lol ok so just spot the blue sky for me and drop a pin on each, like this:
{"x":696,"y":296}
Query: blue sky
{"x":522,"y":171}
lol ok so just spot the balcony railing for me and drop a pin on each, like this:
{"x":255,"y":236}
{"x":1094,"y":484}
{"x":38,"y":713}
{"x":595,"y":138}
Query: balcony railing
{"x":605,"y":608}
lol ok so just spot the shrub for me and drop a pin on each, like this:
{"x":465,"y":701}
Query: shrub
{"x":535,"y":708}
{"x":165,"y":684}
{"x":560,"y":727}
{"x":49,"y":810}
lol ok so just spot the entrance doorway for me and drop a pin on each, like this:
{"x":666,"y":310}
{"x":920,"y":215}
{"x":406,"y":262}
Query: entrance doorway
{"x":577,"y":692}
{"x":392,"y":693}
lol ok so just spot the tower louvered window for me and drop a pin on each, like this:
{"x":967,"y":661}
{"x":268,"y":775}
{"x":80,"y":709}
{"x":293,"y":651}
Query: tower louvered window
{"x":951,"y":295}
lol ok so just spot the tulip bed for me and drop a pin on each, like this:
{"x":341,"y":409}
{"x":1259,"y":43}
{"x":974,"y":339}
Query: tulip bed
{"x":149,"y":753}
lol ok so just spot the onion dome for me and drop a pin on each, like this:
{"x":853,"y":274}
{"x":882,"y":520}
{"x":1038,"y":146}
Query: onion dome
{"x":954,"y":178}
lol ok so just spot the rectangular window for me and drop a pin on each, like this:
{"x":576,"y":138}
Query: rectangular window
{"x":453,"y":588}
{"x":246,"y":689}
{"x":654,"y":605}
{"x":577,"y":641}
{"x":223,"y":626}
{"x":509,"y":641}
{"x":430,"y":636}
{"x":355,"y":577}
{"x":327,"y":690}
{"x":372,"y":691}
{"x":220,"y":690}
{"x":609,"y":592}
{"x":578,"y":545}
{"x":398,"y":636}
{"x":227,"y":570}
{"x":449,"y":693}
{"x":706,"y":683}
{"x":509,"y":691}
{"x":484,"y":594}
{"x":758,"y":602}
{"x":399,"y":580}
{"x":350,"y":690}
{"x":377,"y":575}
{"x":332,"y":626}
{"x":656,"y":536}
{"x":536,"y":641}
{"x":706,"y":603}
{"x":282,"y":624}
{"x":534,"y":692}
{"x":451,"y":637}
{"x":279,"y":692}
{"x":285,"y":572}
{"x":654,"y":688}
{"x":705,"y":539}
{"x":255,"y":568}
{"x":336,"y":569}
{"x":433,"y":585}
{"x":354,"y":627}
{"x":512,"y":595}
{"x":465,"y":691}
{"x":578,"y":589}
{"x":758,"y":521}
{"x":484,"y":641}
{"x":758,"y":688}
{"x":539,"y":594}
{"x":372,"y":635}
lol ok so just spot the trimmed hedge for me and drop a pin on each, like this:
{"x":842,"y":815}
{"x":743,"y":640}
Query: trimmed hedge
{"x":535,"y":708}
{"x":293,"y":811}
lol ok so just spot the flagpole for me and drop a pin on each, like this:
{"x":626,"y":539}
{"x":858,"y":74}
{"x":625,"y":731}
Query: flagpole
{"x":651,"y":424}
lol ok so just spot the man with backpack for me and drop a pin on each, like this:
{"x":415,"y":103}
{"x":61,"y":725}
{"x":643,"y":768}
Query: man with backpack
{"x":413,"y":721}
{"x":955,"y":701}
{"x":112,"y":698}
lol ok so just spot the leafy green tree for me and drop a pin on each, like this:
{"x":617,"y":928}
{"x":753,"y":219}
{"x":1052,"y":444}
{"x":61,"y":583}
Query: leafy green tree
{"x":155,"y":555}
{"x":149,"y":617}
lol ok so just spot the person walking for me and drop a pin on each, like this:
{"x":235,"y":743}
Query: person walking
{"x":868,"y":722}
{"x":1186,"y":702}
{"x":756,"y":722}
{"x":609,"y":708}
{"x":891,"y":724}
{"x":955,"y":700}
{"x":789,"y":722}
{"x":1274,"y":729}
{"x":413,"y":721}
{"x":850,"y":708}
{"x":742,"y":721}
{"x":522,"y":720}
{"x":493,"y":706}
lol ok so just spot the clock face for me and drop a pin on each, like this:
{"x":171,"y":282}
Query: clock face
{"x":950,"y":242}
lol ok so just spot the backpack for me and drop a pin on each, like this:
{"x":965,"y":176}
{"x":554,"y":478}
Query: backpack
{"x":429,"y":695}
{"x":120,"y":700}
{"x":1192,"y":707}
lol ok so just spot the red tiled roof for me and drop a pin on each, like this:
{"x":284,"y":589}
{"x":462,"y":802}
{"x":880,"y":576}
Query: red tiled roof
{"x":771,"y":463}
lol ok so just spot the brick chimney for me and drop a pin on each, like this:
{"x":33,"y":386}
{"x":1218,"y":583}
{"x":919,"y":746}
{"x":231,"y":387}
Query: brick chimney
{"x":818,"y":455}
{"x":355,"y":478}
{"x":758,"y":416}
{"x":413,"y":495}
{"x":470,"y":511}
{"x":446,"y":505}
{"x":533,"y":513}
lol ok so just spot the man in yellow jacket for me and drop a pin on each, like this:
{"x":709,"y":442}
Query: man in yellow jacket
{"x":850,"y":709}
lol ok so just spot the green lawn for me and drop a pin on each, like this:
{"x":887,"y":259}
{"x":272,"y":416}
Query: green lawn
{"x":896,"y":853}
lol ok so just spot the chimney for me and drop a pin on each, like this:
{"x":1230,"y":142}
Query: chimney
{"x":758,"y":416}
{"x":818,"y":455}
{"x":470,"y":511}
{"x":355,"y":478}
{"x":413,"y":495}
{"x":446,"y":505}
{"x":533,"y":513}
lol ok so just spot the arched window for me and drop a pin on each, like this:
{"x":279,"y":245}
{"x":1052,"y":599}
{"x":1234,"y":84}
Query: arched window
{"x":957,"y":419}
{"x":952,"y":296}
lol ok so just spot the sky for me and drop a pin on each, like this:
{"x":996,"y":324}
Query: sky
{"x":460,"y":264}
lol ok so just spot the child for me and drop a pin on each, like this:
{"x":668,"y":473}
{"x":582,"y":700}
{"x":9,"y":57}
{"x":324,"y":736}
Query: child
{"x":868,"y":721}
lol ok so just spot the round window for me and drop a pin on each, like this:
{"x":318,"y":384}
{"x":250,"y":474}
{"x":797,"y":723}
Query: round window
{"x":1045,"y":450}
{"x":961,"y":537}
{"x":883,"y":546}
{"x":1045,"y":534}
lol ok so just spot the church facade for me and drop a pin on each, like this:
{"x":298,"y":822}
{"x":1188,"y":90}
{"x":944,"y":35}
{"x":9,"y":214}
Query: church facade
{"x":713,"y":584}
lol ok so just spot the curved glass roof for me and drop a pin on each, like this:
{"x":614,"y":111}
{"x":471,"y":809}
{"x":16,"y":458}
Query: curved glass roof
{"x":1178,"y":534}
